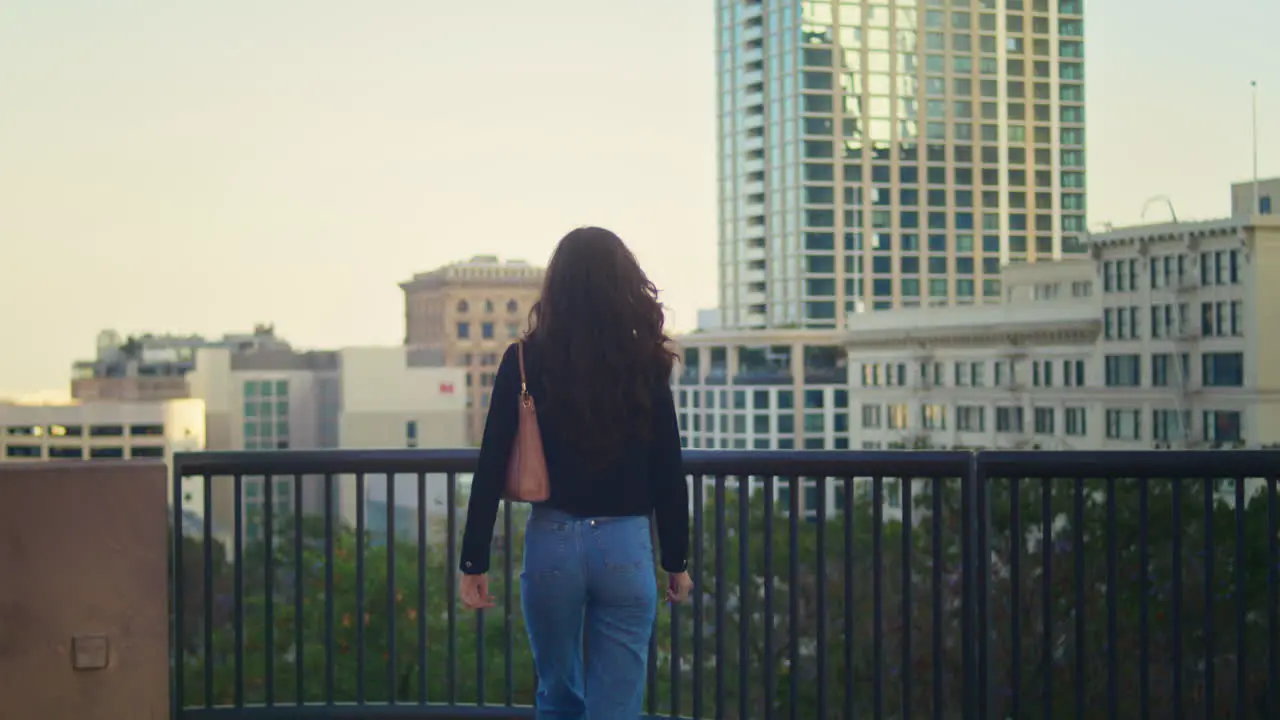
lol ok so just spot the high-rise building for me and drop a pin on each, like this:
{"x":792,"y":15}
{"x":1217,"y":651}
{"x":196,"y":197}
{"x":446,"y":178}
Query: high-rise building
{"x":877,"y":154}
{"x":468,"y":313}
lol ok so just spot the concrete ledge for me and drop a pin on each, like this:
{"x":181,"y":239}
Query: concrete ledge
{"x":84,"y":582}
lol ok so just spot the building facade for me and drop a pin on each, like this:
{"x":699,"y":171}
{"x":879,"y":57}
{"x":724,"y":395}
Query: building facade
{"x":106,"y":430}
{"x":876,"y":154}
{"x":372,"y":397}
{"x":152,"y":367}
{"x":467,"y":313}
{"x":1158,"y":340}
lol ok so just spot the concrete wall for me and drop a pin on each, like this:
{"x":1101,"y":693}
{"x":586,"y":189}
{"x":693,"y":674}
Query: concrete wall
{"x":83,"y":557}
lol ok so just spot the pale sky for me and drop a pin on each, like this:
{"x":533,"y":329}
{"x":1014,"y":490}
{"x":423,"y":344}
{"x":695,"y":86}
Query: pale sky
{"x":202,"y":166}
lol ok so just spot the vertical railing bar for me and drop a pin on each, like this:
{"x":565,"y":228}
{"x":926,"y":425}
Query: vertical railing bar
{"x":968,"y":583}
{"x":982,"y":506}
{"x":1210,"y":631}
{"x":1077,"y":531}
{"x":300,"y":675}
{"x":1240,"y":595}
{"x":849,"y":685}
{"x":877,"y":590}
{"x":298,"y":589}
{"x":481,"y":619}
{"x":268,"y":592}
{"x":906,"y":671}
{"x":673,"y":709}
{"x":651,"y":666}
{"x":1273,"y":599}
{"x":721,"y":596}
{"x":361,"y":497}
{"x":422,"y":588}
{"x":821,"y":542}
{"x":1144,"y":570}
{"x":699,"y":575}
{"x":329,"y":678}
{"x":237,"y":544}
{"x":1177,"y":599}
{"x":793,"y":595}
{"x":392,"y":593}
{"x":1015,"y":597}
{"x":178,"y":596}
{"x":744,"y":594}
{"x":767,"y":575}
{"x":207,"y":588}
{"x":1113,"y":602}
{"x":451,"y":589}
{"x":1046,"y":594}
{"x":508,"y":605}
{"x":939,"y":485}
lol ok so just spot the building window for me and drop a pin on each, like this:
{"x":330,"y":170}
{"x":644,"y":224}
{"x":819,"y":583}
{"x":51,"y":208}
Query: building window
{"x":1076,"y":421}
{"x":513,"y":307}
{"x":1044,"y":420}
{"x":1223,"y":426}
{"x":106,"y":453}
{"x":513,"y":331}
{"x":871,"y":416}
{"x":1222,"y":370}
{"x":65,"y":453}
{"x":1264,"y":205}
{"x":22,"y":451}
{"x":462,"y":306}
{"x":464,"y":330}
{"x":486,"y":331}
{"x":1009,"y":419}
{"x":971,"y":418}
{"x":1124,"y":424}
{"x":1169,"y":425}
{"x":1123,"y":370}
{"x":933,"y":417}
{"x":411,"y":433}
{"x":146,"y":430}
{"x":146,"y":452}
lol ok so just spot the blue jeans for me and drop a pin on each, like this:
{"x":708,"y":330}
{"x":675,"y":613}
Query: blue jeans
{"x":591,"y":577}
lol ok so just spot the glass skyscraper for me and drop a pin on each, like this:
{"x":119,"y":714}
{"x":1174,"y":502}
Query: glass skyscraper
{"x":893,"y":153}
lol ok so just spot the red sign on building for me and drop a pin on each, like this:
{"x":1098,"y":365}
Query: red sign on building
{"x":446,"y":388}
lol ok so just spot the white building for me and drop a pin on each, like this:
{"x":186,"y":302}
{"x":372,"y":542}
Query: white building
{"x":105,"y":430}
{"x":1159,"y":340}
{"x":378,"y":397}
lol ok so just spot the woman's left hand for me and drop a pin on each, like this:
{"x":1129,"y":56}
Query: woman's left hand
{"x":474,"y":590}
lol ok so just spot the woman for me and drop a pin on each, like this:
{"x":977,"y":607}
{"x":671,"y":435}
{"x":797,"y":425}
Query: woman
{"x":598,"y":365}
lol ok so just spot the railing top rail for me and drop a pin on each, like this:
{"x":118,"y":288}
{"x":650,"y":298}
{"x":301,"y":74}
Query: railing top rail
{"x":813,"y":463}
{"x":1130,"y":463}
{"x":807,"y":463}
{"x":319,"y":462}
{"x":828,"y":463}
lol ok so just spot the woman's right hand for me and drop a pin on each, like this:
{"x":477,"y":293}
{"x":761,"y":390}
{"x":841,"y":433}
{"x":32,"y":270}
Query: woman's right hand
{"x":679,"y":586}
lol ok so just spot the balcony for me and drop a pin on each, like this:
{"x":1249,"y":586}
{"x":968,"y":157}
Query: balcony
{"x":1007,"y":584}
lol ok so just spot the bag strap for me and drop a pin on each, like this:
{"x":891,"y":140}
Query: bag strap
{"x":524,"y":381}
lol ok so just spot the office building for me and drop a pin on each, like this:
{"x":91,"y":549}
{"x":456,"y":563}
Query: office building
{"x":1159,"y":340}
{"x":352,"y":398}
{"x":878,"y":154}
{"x":468,"y":313}
{"x":105,"y":430}
{"x":152,"y":367}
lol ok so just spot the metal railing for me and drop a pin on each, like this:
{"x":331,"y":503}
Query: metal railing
{"x":838,"y":585}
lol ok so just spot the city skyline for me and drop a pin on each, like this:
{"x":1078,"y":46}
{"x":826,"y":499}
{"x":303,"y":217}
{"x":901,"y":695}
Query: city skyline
{"x":159,"y":178}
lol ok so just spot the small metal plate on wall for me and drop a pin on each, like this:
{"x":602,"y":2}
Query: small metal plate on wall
{"x":89,"y":652}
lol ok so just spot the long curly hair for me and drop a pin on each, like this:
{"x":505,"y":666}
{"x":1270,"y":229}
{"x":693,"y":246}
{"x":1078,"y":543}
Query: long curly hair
{"x":598,"y":331}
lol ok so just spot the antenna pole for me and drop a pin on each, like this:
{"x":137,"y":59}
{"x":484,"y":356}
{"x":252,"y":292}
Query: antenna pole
{"x":1256,"y":197}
